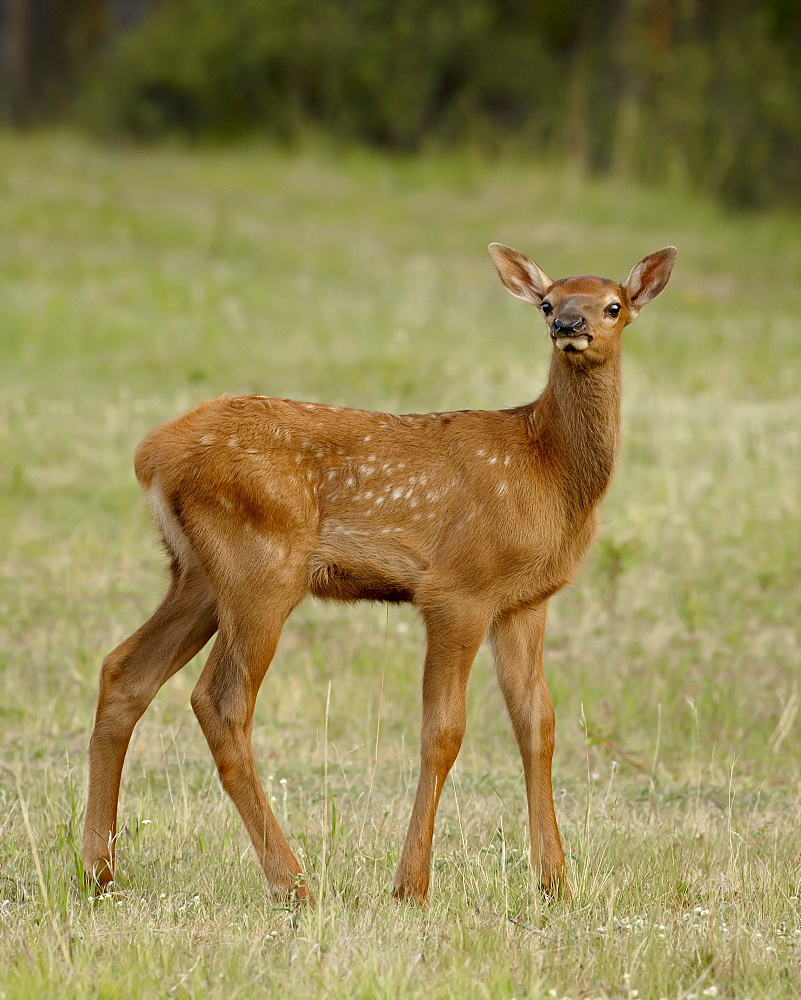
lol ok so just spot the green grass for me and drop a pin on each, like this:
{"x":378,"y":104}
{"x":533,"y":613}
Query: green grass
{"x":135,"y":283}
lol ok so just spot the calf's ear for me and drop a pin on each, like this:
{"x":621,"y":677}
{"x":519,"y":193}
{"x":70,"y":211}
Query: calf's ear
{"x":520,"y":275}
{"x":648,"y":278}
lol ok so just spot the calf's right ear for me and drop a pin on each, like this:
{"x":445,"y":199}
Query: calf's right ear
{"x":520,"y":275}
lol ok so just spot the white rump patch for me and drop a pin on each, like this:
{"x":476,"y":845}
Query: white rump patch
{"x":172,"y":531}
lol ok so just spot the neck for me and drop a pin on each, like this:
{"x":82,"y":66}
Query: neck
{"x":577,"y":422}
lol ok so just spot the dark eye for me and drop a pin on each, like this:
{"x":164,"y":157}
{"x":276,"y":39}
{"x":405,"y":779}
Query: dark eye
{"x":614,"y":309}
{"x":547,"y":308}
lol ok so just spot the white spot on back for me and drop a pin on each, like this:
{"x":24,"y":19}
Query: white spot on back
{"x":501,"y":489}
{"x":493,"y":460}
{"x":368,"y":437}
{"x":507,"y":459}
{"x":481,"y":453}
{"x":207,"y":439}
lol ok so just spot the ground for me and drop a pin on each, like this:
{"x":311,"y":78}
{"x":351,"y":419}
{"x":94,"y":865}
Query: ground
{"x":133,"y":284}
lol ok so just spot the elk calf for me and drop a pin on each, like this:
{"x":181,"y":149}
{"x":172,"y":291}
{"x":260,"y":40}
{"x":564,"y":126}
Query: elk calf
{"x":475,"y":517}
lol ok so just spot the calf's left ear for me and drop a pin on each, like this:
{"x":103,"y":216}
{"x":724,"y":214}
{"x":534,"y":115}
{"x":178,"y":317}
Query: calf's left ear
{"x":648,"y":278}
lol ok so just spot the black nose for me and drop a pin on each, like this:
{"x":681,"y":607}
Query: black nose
{"x":569,"y":323}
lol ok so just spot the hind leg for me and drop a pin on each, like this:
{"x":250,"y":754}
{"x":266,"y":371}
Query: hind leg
{"x":129,"y":679}
{"x":224,"y":701}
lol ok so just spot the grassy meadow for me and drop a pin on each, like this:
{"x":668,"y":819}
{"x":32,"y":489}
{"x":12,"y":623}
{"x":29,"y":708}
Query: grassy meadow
{"x":133,"y":284}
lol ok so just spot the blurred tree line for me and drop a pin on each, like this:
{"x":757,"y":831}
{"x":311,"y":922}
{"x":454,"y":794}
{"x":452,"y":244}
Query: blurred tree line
{"x":705,"y":91}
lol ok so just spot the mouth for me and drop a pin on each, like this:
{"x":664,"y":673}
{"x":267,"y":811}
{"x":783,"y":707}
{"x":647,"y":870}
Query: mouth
{"x":574,"y":344}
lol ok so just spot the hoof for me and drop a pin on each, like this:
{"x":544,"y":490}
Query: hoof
{"x":414,"y":897}
{"x":557,"y":887}
{"x":98,"y":875}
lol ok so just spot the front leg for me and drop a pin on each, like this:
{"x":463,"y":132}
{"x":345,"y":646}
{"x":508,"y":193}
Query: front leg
{"x":453,"y":641}
{"x":517,"y":640}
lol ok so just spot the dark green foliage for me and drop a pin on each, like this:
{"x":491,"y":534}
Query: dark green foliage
{"x":700,"y":91}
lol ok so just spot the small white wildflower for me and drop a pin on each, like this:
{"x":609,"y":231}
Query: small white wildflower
{"x":710,"y":991}
{"x":146,"y":821}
